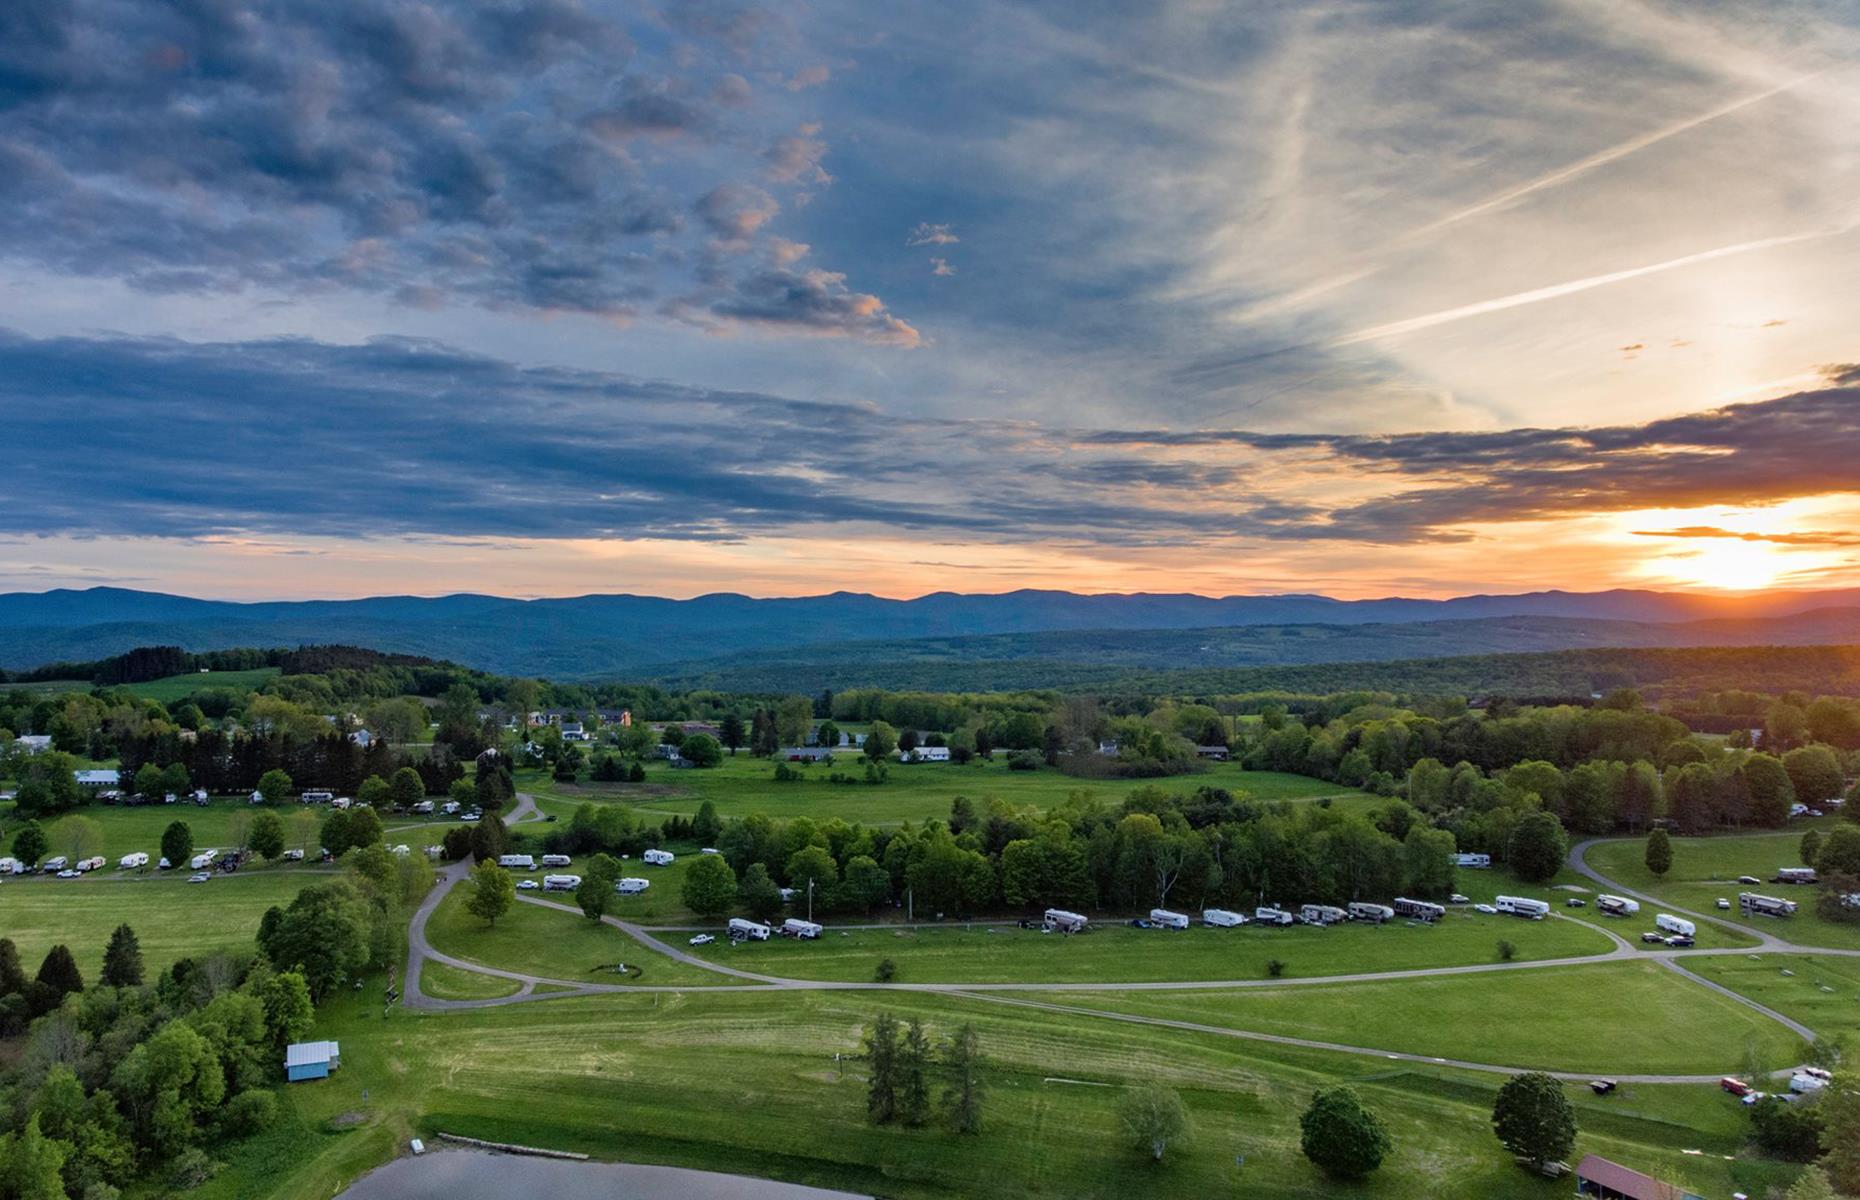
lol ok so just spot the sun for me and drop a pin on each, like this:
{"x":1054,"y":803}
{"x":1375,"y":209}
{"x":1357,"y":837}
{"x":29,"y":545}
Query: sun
{"x":1728,"y":565}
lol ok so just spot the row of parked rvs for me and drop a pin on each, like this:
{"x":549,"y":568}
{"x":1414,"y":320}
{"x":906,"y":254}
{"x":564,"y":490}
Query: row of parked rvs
{"x":742,"y":930}
{"x":1310,"y":914}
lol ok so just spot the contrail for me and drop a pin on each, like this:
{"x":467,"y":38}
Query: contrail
{"x":1519,"y":299}
{"x":1603,"y":157}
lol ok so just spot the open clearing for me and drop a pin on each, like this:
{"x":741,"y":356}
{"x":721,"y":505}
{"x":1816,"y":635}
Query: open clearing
{"x":1819,"y":991}
{"x":1008,"y":954}
{"x":449,"y":983}
{"x":1706,"y":868}
{"x":541,"y":941}
{"x":174,"y":687}
{"x":1626,"y":1012}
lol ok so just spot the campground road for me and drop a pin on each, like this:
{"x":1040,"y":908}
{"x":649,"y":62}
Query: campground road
{"x":1578,"y":863}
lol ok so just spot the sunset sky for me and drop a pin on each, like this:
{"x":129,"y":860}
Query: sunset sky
{"x":316,"y":298}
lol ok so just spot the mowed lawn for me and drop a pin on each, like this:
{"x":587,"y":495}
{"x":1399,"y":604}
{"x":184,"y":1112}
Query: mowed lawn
{"x":1117,"y":953}
{"x":744,"y":785}
{"x":1707,"y":868}
{"x":765,"y":1084}
{"x":172,"y":918}
{"x":450,"y":983}
{"x":541,"y":941}
{"x":1820,"y":991}
{"x":126,"y":830}
{"x":1609,"y":1018}
{"x":175,"y":687}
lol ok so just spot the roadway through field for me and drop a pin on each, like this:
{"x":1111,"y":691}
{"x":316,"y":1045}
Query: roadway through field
{"x":420,"y":950}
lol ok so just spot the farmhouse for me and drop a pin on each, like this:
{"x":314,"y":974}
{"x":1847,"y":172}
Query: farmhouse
{"x":97,"y":780}
{"x":311,"y":1060}
{"x":1605,"y":1180}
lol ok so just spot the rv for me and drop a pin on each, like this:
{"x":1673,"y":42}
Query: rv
{"x":1361,"y":910}
{"x":133,"y":862}
{"x":1753,"y":905}
{"x":632,"y":887}
{"x":1221,"y":918}
{"x":1322,"y":914}
{"x":1061,"y":921}
{"x":1267,"y":915}
{"x":11,"y":866}
{"x":51,"y":866}
{"x":341,"y":802}
{"x":658,"y":858}
{"x":1476,"y":862}
{"x":1419,"y":910}
{"x":561,"y":883}
{"x":203,"y":860}
{"x":1678,"y":925}
{"x":555,"y":860}
{"x":423,"y":807}
{"x":1616,"y":906}
{"x":1523,"y":906}
{"x":90,"y":864}
{"x":516,"y":862}
{"x":750,"y":931}
{"x":1162,"y":918}
{"x":795,"y":927}
{"x":1795,"y":875}
{"x":316,"y":797}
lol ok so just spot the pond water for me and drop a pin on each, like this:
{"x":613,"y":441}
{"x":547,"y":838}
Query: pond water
{"x":482,"y":1175}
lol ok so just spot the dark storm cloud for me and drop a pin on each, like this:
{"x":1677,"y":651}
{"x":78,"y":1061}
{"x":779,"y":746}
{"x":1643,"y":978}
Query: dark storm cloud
{"x":480,"y":152}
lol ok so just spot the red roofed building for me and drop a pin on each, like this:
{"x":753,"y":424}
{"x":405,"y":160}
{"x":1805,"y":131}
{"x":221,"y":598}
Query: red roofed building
{"x":1596,"y":1176}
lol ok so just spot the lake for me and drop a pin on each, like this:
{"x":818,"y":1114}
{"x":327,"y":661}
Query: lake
{"x":482,"y":1175}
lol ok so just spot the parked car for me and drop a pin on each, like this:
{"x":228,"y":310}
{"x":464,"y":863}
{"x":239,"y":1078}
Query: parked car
{"x":1456,"y":898}
{"x":1485,"y":908}
{"x":199,"y":877}
{"x":1681,"y":941}
{"x":1575,"y":902}
{"x":1749,"y":879}
{"x":527,"y":885}
{"x":1723,"y":903}
{"x":703,"y":939}
{"x":1736,"y":1087}
{"x":68,"y":873}
{"x":1141,"y":923}
{"x":1602,"y":1087}
{"x":1653,"y":939}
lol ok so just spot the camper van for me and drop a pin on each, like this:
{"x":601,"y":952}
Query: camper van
{"x":1678,"y":925}
{"x":748,"y":931}
{"x":658,"y":858}
{"x":1616,"y":906}
{"x":795,"y":927}
{"x":1523,"y":906}
{"x":555,"y":860}
{"x":1476,"y":862}
{"x":516,"y":862}
{"x":1162,"y":918}
{"x":133,"y":862}
{"x":1060,"y":921}
{"x":1419,"y":910}
{"x":632,"y":887}
{"x":1322,"y":915}
{"x":1221,"y":918}
{"x":1753,"y":905}
{"x":1267,"y":915}
{"x":1361,"y":910}
{"x":561,"y":883}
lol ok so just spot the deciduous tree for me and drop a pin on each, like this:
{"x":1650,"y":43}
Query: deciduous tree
{"x":710,"y":888}
{"x":1340,"y":1136}
{"x":492,"y":892}
{"x":1154,"y":1118}
{"x":1659,"y":856}
{"x":1533,"y":1118}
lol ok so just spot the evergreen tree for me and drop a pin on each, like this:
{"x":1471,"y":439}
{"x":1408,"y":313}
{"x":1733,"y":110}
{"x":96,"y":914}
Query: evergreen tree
{"x":177,"y":844}
{"x":962,"y":1101}
{"x":914,"y":1076}
{"x":1811,"y":847}
{"x":730,"y":733}
{"x":12,"y":977}
{"x":1659,"y":857}
{"x":60,"y":972}
{"x":881,"y":1052}
{"x":122,"y":961}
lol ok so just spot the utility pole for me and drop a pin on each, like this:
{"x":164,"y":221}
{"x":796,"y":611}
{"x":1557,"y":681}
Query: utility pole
{"x":910,"y":909}
{"x":810,"y":899}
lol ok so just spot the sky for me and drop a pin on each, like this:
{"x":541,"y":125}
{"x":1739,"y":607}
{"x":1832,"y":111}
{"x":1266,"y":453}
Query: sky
{"x":324,"y":298}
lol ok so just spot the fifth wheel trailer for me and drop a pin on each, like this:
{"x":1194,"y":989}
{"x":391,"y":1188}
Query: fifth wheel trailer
{"x":1221,"y":918}
{"x":1617,"y":906}
{"x":1420,"y":910}
{"x":1272,"y":916}
{"x":561,"y":883}
{"x":1754,"y":905}
{"x":658,"y":858}
{"x":632,"y":887}
{"x":1168,"y":920}
{"x":741,"y":930}
{"x":1361,"y":910}
{"x":1678,"y":925}
{"x":1322,"y":914}
{"x":1523,"y":906}
{"x":795,"y":927}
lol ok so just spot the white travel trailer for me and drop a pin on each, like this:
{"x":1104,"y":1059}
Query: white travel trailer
{"x":133,"y":862}
{"x":316,"y":797}
{"x":11,"y":866}
{"x":795,"y":927}
{"x":1753,"y":905}
{"x":1162,"y":918}
{"x":1678,"y":925}
{"x":1361,"y":910}
{"x":1616,"y":906}
{"x":1419,"y":910}
{"x":1322,"y":914}
{"x":203,"y":860}
{"x":1523,"y":906}
{"x":751,"y":931}
{"x":1267,"y":915}
{"x":658,"y":858}
{"x":555,"y":860}
{"x":94,"y":863}
{"x":53,"y":865}
{"x":1476,"y":862}
{"x":632,"y":887}
{"x":1222,"y":918}
{"x":516,"y":862}
{"x":423,"y":807}
{"x":561,"y":883}
{"x":1795,"y":875}
{"x":1061,"y":921}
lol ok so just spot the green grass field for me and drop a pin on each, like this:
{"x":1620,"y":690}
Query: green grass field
{"x":172,"y":918}
{"x":750,"y":1083}
{"x":450,"y":983}
{"x":559,"y":945}
{"x":1706,"y":868}
{"x":174,"y":687}
{"x":744,"y":785}
{"x":1626,"y":1011}
{"x":126,"y":830}
{"x":1820,"y":991}
{"x":1118,"y":953}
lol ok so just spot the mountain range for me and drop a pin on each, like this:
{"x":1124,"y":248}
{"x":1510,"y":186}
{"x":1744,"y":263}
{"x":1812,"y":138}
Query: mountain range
{"x":607,"y":636}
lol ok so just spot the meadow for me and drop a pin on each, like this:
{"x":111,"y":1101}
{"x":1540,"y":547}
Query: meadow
{"x":535,"y":940}
{"x":1821,"y":991}
{"x":176,"y":687}
{"x":1706,"y":868}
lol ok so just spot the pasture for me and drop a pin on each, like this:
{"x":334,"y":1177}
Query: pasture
{"x":541,"y":941}
{"x":175,"y":687}
{"x":1821,"y":991}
